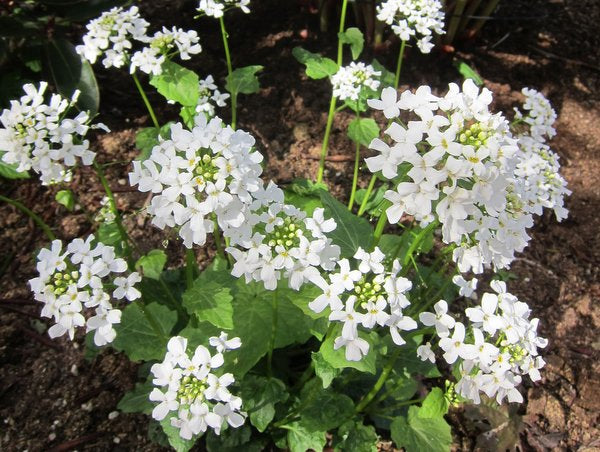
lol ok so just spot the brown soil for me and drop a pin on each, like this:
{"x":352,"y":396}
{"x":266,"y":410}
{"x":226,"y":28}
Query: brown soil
{"x":52,"y":398}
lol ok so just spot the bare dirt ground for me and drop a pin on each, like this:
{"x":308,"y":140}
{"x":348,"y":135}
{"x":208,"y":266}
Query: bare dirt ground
{"x":52,"y":398}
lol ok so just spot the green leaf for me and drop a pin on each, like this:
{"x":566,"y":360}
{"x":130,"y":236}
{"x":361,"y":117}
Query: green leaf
{"x":210,"y":300}
{"x":324,"y":409}
{"x":108,"y":233}
{"x":363,"y":130}
{"x":501,"y":424}
{"x":174,"y":438}
{"x":177,"y":83}
{"x":244,"y":80}
{"x":66,"y":198}
{"x":317,"y":66}
{"x":147,"y":138}
{"x":351,"y":232}
{"x":468,"y":72}
{"x":136,"y":400}
{"x":260,"y":395}
{"x":9,"y":171}
{"x":434,"y":405}
{"x":301,"y":439}
{"x":337,"y":358}
{"x":152,"y":264}
{"x":408,"y":362}
{"x":69,"y":72}
{"x":154,"y":291}
{"x":417,"y":434}
{"x":355,"y":38}
{"x":188,"y":114}
{"x":325,"y":371}
{"x":235,"y":440}
{"x":387,"y":78}
{"x":253,"y":316}
{"x":304,"y":194}
{"x":356,"y":437}
{"x":143,"y":339}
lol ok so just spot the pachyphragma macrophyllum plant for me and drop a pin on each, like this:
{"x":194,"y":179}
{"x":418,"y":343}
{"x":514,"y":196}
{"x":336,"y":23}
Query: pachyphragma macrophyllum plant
{"x":309,"y":328}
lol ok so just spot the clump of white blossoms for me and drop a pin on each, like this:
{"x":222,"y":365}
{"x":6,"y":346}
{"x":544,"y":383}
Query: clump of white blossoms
{"x":111,"y":35}
{"x":349,"y":80}
{"x":216,"y":8}
{"x":209,"y":97}
{"x":37,"y":135}
{"x":193,"y":396}
{"x":200,"y":176}
{"x":456,"y":167}
{"x":497,"y":348}
{"x":367,"y":296}
{"x":161,"y":46}
{"x":539,"y":166}
{"x":278,"y":240}
{"x":414,"y":18}
{"x":82,"y":276}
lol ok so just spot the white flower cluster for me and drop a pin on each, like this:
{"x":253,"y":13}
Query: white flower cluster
{"x":539,"y":167}
{"x":210,"y":97}
{"x":460,"y":164}
{"x":199,"y":177}
{"x":277,"y":239}
{"x":501,"y":347}
{"x":37,"y":136}
{"x":349,"y":80}
{"x":161,"y":45}
{"x":199,"y":398}
{"x":111,"y":34}
{"x":82,"y":276}
{"x":369,"y":296}
{"x":216,"y":8}
{"x":414,"y":18}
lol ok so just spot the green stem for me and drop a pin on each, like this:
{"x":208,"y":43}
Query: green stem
{"x":381,"y":223}
{"x":275,"y":305}
{"x":341,"y":30}
{"x":332,"y":104}
{"x":356,"y":167}
{"x":229,"y":72}
{"x":218,"y":239}
{"x":363,"y":205}
{"x":416,"y":243}
{"x":145,"y":99}
{"x":330,"y":116}
{"x":36,"y":218}
{"x":399,"y":65}
{"x":113,"y":207}
{"x":191,"y":267}
{"x":379,"y":383}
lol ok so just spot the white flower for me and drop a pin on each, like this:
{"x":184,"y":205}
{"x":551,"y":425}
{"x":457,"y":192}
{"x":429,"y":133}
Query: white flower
{"x":76,"y":279}
{"x":388,"y":103}
{"x":222,"y":343}
{"x":350,"y":80}
{"x":408,"y":18}
{"x":193,"y":401}
{"x":441,"y":320}
{"x":126,"y":287}
{"x":111,"y":35}
{"x":38,"y":136}
{"x":455,"y":346}
{"x":197,"y":175}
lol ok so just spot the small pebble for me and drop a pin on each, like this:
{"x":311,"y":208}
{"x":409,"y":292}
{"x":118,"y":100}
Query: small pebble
{"x":87,"y":406}
{"x":52,"y":436}
{"x":113,"y":415}
{"x":74,"y":370}
{"x":116,"y":440}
